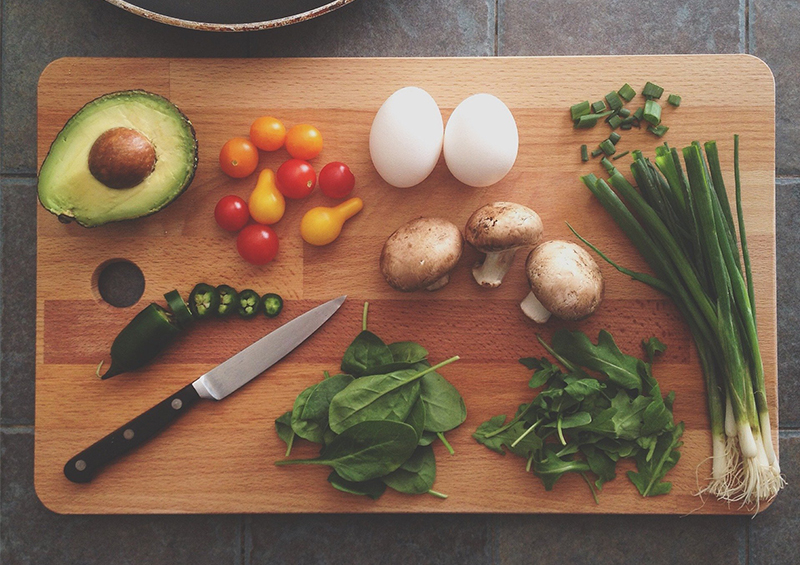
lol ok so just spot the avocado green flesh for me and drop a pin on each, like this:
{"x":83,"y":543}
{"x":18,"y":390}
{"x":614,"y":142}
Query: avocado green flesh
{"x":67,"y":187}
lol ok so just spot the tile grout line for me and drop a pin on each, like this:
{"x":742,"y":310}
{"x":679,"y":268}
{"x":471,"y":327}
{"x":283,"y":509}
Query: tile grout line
{"x":747,"y":26}
{"x":496,"y":28}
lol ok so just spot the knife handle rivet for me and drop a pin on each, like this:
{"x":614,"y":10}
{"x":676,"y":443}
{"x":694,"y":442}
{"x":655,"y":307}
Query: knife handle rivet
{"x":80,"y":465}
{"x":128,"y":434}
{"x":177,"y":403}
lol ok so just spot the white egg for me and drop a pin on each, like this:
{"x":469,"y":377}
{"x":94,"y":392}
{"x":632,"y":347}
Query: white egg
{"x":406,"y":137}
{"x":481,"y":140}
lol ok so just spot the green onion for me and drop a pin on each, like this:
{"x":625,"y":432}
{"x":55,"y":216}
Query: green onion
{"x":584,"y":153}
{"x":620,"y":156}
{"x":589,"y":120}
{"x":614,"y":137}
{"x":626,"y":126}
{"x":652,"y":112}
{"x":627,"y":92}
{"x":598,"y":107}
{"x":624,"y":113}
{"x":607,"y":147}
{"x":579,"y":110}
{"x":680,"y":221}
{"x":674,"y":99}
{"x":597,"y":152}
{"x":651,"y":91}
{"x":607,"y":164}
{"x":614,"y":101}
{"x":639,"y":114}
{"x":658,"y":130}
{"x":614,"y":122}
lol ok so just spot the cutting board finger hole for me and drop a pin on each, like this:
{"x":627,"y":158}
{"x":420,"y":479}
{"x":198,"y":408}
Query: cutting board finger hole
{"x":118,"y":282}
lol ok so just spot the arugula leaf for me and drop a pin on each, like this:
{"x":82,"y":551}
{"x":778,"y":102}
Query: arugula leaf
{"x":648,"y":479}
{"x":283,"y":425}
{"x":310,"y":411}
{"x":652,"y":347}
{"x":374,"y":488}
{"x":529,"y":444}
{"x":553,"y":467}
{"x":365,"y":352}
{"x":581,"y":388}
{"x":628,"y":418}
{"x":415,"y":476}
{"x":605,"y":357}
{"x":600,"y":464}
{"x":544,"y":370}
{"x":365,"y":451}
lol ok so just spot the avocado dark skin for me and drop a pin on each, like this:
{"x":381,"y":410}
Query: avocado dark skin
{"x":122,"y":158}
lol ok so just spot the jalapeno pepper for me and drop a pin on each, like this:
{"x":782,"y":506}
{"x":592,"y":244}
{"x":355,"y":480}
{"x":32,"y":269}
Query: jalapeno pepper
{"x":183,"y":316}
{"x":204,"y":301}
{"x":150,"y":332}
{"x":271,"y":304}
{"x":228,"y":300}
{"x":249,"y":303}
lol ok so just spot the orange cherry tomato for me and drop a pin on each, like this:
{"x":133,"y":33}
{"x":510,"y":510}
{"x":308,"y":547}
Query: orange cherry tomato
{"x":238,"y":158}
{"x":304,"y":142}
{"x":267,"y":133}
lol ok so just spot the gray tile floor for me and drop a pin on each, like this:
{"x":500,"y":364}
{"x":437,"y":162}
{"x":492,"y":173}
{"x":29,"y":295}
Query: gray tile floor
{"x":35,"y":33}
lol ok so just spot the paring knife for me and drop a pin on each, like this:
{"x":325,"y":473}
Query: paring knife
{"x":216,"y":384}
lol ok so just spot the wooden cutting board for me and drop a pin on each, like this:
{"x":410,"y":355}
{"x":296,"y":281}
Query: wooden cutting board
{"x":219,"y":457}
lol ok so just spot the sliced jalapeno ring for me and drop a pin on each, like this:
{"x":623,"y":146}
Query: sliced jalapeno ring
{"x":271,"y":304}
{"x":249,"y":303}
{"x":228,"y":300}
{"x":183,"y":316}
{"x":145,"y":336}
{"x":204,"y":301}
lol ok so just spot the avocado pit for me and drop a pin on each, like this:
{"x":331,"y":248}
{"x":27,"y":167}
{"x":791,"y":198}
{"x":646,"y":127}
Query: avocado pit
{"x":122,"y":158}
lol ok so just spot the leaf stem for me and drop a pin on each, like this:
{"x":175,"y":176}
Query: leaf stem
{"x":591,"y":488}
{"x":449,"y":447}
{"x":437,"y":494}
{"x":364,"y":317}
{"x":289,"y":445}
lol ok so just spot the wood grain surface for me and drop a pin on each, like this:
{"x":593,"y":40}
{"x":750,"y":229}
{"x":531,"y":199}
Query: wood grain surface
{"x":219,"y":457}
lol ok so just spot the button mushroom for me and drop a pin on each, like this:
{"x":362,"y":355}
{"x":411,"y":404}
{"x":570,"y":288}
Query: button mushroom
{"x":421,"y":254}
{"x":498,"y":230}
{"x":564,"y":280}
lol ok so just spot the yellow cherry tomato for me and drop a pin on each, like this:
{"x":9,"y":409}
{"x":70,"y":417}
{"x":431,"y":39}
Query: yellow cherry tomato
{"x":266,"y":203}
{"x":322,"y":225}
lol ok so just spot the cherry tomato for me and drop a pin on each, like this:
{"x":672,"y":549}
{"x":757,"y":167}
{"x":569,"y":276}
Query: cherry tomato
{"x":304,"y":142}
{"x":238,"y":158}
{"x":257,"y":244}
{"x":267,"y":133}
{"x":296,"y":178}
{"x":231,"y":213}
{"x":336,"y":180}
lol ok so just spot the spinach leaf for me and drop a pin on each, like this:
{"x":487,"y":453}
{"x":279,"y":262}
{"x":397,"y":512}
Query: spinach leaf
{"x":444,"y":406}
{"x":428,"y":438}
{"x":605,"y":357}
{"x":416,"y":419}
{"x":553,"y":467}
{"x":365,"y":451}
{"x":648,"y":479}
{"x":376,"y":397}
{"x":407,"y":352}
{"x":373,"y":488}
{"x":365,"y":352}
{"x":283,"y":425}
{"x":415,"y":476}
{"x":310,"y":412}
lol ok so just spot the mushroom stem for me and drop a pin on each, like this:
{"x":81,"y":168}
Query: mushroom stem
{"x":534,"y":309}
{"x":440,"y":283}
{"x":494,"y":267}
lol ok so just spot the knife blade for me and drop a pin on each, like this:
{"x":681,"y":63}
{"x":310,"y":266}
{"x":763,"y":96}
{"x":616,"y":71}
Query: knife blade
{"x":216,"y":384}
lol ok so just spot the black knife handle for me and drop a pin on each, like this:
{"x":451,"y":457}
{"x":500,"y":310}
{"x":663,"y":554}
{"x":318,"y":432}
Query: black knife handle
{"x":82,"y":467}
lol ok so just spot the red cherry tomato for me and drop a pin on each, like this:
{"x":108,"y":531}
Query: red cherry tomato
{"x":257,"y":244}
{"x":231,"y":213}
{"x":296,"y":178}
{"x":336,"y":180}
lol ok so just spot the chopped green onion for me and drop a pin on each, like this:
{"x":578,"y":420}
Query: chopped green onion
{"x":607,"y":164}
{"x":589,"y":120}
{"x":614,"y":101}
{"x":674,"y":99}
{"x":625,"y":127}
{"x":598,"y":107}
{"x":620,"y":156}
{"x":584,"y":153}
{"x":607,"y":147}
{"x":615,"y":122}
{"x":630,"y":121}
{"x":639,"y":114}
{"x":659,"y":130}
{"x":652,"y":112}
{"x":579,"y":110}
{"x":597,"y":152}
{"x":624,"y":112}
{"x":614,"y":137}
{"x":627,"y":92}
{"x":651,"y":91}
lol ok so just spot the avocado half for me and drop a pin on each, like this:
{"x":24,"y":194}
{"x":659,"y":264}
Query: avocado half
{"x":122,"y":156}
